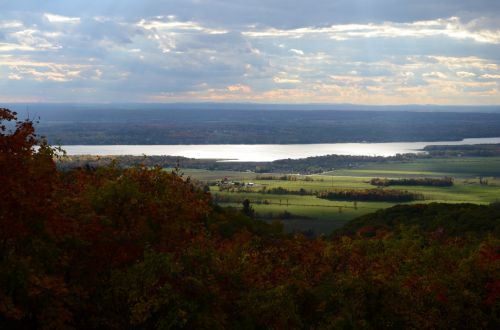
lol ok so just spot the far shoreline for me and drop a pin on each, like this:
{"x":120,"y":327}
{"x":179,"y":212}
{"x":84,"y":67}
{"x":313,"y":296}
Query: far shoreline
{"x":267,"y":152}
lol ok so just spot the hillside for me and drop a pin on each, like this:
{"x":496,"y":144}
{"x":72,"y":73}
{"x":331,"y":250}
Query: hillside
{"x":142,"y":248}
{"x":101,"y":125}
{"x":452,"y":219}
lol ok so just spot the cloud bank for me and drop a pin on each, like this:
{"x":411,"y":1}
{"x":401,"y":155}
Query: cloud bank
{"x":369,"y":52}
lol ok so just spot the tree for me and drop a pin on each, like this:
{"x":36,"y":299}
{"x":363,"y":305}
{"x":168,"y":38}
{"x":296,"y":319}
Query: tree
{"x":247,"y":208}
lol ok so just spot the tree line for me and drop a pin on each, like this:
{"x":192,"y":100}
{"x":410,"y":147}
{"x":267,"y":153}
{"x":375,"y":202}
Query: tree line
{"x":433,"y":182}
{"x":371,"y":195}
{"x":141,"y":248}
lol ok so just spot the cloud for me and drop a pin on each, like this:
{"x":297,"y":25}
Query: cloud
{"x":465,"y":74}
{"x":52,"y":18}
{"x":16,"y":36}
{"x":9,"y":47}
{"x":10,"y":24}
{"x":453,"y":62}
{"x":434,"y":75}
{"x":167,"y":31}
{"x":20,"y":69}
{"x":170,"y":24}
{"x":239,"y":88}
{"x":277,"y":13}
{"x":279,"y":80}
{"x":451,"y":28}
{"x":356,"y":51}
{"x":297,"y":51}
{"x":491,"y":76}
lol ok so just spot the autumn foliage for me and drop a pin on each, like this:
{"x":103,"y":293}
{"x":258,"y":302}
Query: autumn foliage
{"x":141,"y":248}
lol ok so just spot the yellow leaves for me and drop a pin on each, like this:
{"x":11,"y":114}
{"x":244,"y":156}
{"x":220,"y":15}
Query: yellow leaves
{"x":141,"y":311}
{"x":141,"y":247}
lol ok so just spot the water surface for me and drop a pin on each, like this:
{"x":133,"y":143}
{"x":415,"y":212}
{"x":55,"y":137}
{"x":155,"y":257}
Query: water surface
{"x":266,"y":152}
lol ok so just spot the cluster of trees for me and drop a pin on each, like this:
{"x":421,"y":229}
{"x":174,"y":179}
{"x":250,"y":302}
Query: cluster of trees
{"x":284,"y":191}
{"x":140,"y":248}
{"x":235,"y":199}
{"x":305,"y":166}
{"x":77,"y":161}
{"x":218,"y":126}
{"x":454,"y":219}
{"x":286,"y":177}
{"x":265,"y":190}
{"x":434,"y":182}
{"x":478,"y":150}
{"x":371,"y":195}
{"x":319,"y":164}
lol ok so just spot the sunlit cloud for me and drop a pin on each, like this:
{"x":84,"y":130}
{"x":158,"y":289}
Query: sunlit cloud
{"x":17,"y":37}
{"x":52,"y":18}
{"x":170,"y":24}
{"x":21,"y":69}
{"x":451,"y":27}
{"x":279,"y":80}
{"x":170,"y":53}
{"x":10,"y":24}
{"x":469,"y":61}
{"x":465,"y":74}
{"x":239,"y":88}
{"x":9,"y":47}
{"x":297,"y":51}
{"x":167,"y":30}
{"x":434,"y":75}
{"x":491,"y":76}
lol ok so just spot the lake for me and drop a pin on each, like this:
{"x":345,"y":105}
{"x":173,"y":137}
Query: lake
{"x":266,"y":152}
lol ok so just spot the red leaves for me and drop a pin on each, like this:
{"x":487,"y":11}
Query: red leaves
{"x":117,"y":246}
{"x":493,"y":292}
{"x":27,"y":179}
{"x":489,"y":254}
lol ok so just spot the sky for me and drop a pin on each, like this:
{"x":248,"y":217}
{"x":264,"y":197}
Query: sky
{"x":373,"y":52}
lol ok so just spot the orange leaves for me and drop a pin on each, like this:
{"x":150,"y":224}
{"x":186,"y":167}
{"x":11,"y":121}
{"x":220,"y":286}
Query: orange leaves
{"x":27,"y":179}
{"x":140,"y":247}
{"x":6,"y":114}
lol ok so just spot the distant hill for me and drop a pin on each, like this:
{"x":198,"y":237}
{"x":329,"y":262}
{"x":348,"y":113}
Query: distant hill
{"x":250,"y":106}
{"x":255,"y":124}
{"x":142,"y":248}
{"x":455,"y":219}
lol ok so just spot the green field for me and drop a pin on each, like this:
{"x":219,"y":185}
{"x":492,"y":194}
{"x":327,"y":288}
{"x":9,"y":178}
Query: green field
{"x":467,"y":167}
{"x":322,"y":216}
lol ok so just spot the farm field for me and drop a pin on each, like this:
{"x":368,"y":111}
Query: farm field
{"x":467,"y":167}
{"x":306,"y":212}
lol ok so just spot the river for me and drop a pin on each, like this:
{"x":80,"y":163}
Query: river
{"x":266,"y":152}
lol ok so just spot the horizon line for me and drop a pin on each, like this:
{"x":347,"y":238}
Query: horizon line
{"x":252,"y":103}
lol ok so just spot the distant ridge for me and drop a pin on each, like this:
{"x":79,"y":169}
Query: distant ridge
{"x":256,"y":106}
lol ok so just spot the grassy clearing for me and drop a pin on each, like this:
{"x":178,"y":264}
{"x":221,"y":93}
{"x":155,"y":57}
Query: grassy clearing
{"x":208,"y":175}
{"x":467,"y":167}
{"x":322,"y":216}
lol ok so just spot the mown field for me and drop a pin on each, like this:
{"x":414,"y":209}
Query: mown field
{"x":307,"y":212}
{"x":466,"y":167}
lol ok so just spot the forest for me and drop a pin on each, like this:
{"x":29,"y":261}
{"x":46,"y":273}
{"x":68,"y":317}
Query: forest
{"x":140,"y":247}
{"x":380,"y":195}
{"x":308,"y":165}
{"x":480,"y":150}
{"x":142,"y":125}
{"x":433,"y":182}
